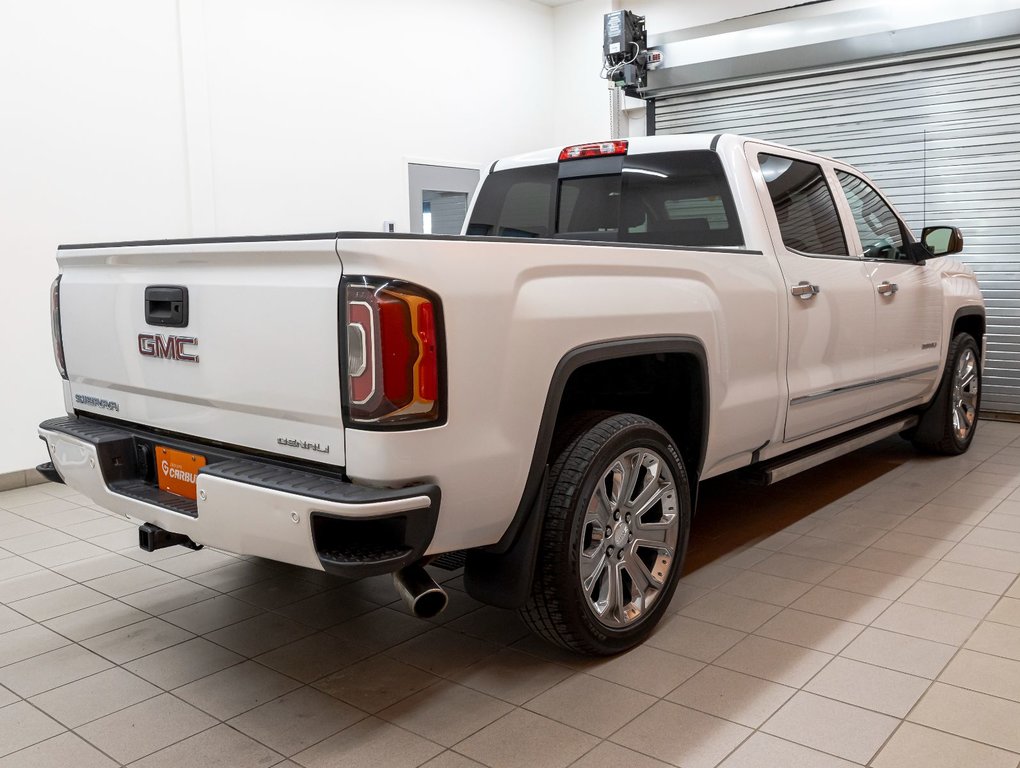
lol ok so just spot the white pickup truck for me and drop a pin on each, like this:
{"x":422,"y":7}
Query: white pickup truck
{"x":620,"y":321}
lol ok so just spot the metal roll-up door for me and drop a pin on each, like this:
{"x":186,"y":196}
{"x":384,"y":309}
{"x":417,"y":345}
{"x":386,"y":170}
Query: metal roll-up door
{"x":938,"y":134}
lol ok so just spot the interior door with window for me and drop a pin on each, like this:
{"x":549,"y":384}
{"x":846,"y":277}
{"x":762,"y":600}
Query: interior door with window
{"x":830,"y":365}
{"x":440,"y":197}
{"x":908,"y":298}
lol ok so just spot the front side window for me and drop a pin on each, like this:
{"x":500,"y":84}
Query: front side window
{"x":804,"y":206}
{"x":879,"y":228}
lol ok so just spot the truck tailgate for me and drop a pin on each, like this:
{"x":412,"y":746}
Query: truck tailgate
{"x":256,"y":365}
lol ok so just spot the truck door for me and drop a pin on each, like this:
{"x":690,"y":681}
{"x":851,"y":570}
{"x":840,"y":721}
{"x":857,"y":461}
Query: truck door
{"x":830,"y":366}
{"x":908,"y":298}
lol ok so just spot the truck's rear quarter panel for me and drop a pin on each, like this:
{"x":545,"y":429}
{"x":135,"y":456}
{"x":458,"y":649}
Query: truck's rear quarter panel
{"x":514,"y":309}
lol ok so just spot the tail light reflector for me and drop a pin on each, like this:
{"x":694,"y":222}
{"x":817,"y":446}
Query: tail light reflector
{"x":428,"y":380}
{"x":58,"y":338}
{"x":393,"y":348}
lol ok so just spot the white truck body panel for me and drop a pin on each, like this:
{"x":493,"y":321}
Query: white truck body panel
{"x":514,"y":309}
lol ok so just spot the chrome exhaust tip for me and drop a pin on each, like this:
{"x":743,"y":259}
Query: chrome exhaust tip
{"x":420,"y":592}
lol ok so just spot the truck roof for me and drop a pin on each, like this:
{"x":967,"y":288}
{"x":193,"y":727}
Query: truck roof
{"x":638,"y":145}
{"x":635,"y":146}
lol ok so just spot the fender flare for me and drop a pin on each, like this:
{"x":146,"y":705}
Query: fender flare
{"x":501,"y":574}
{"x":971,"y":310}
{"x":968,"y":311}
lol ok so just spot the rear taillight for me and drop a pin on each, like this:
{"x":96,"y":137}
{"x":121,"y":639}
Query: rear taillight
{"x":597,"y":149}
{"x":393,"y":353}
{"x":58,"y":339}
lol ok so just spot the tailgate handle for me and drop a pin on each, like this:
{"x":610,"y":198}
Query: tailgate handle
{"x":166,"y":305}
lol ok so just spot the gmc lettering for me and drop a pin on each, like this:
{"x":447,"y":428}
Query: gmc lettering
{"x":167,"y":347}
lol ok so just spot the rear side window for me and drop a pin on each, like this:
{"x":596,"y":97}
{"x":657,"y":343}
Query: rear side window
{"x":666,"y":198}
{"x":804,"y":206}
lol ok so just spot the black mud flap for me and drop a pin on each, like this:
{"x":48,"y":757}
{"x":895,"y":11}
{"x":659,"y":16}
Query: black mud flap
{"x":504,"y":579}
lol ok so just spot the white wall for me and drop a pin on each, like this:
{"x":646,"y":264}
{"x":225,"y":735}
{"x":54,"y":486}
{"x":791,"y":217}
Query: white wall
{"x":121,"y":119}
{"x":91,"y":147}
{"x":316,"y":105}
{"x":581,"y":108}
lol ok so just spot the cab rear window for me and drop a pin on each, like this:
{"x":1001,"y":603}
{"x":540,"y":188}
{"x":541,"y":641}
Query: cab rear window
{"x":665,"y":198}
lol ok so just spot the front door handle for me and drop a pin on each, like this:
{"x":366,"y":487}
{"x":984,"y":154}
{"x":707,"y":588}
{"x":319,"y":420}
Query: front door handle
{"x":887,"y":288}
{"x":805,"y":290}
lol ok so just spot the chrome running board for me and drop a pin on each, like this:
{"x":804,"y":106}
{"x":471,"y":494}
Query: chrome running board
{"x":782,"y":467}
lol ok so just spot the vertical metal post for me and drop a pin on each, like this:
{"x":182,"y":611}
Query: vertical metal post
{"x":615,"y":101}
{"x":649,"y":117}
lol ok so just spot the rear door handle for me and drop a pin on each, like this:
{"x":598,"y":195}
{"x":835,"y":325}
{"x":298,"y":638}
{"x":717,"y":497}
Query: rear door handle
{"x":887,"y":288}
{"x":805,"y":290}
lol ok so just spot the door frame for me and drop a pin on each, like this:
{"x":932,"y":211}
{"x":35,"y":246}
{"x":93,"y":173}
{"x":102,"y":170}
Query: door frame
{"x":408,"y":161}
{"x":914,"y":277}
{"x":846,"y":390}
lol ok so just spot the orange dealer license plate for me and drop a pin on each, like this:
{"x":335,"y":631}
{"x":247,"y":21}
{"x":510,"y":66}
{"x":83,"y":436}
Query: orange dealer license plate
{"x":177,"y":471}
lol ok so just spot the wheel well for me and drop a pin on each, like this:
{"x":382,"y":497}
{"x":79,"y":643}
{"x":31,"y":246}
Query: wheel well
{"x":668,"y":388}
{"x":972,"y":324}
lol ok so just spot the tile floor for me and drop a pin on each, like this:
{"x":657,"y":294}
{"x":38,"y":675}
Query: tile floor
{"x":865,"y":613}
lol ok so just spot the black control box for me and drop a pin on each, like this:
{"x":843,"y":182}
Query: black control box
{"x":625,"y":49}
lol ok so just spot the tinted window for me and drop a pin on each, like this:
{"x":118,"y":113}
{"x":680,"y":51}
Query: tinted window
{"x":877,"y":225}
{"x":804,"y":206}
{"x":668,"y":198}
{"x":678,"y":198}
{"x":589,"y":205}
{"x":515,"y":203}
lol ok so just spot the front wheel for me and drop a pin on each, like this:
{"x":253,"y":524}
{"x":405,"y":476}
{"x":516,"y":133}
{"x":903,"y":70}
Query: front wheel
{"x":614,"y":536}
{"x":947,"y":427}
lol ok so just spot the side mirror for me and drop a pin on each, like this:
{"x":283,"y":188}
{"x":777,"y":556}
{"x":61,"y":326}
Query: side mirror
{"x":942,"y":241}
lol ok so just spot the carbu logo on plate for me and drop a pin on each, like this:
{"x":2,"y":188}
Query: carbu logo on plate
{"x":177,"y":471}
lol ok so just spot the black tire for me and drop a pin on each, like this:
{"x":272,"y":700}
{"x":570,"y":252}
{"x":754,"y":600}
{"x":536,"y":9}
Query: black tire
{"x":941,"y":430}
{"x":558,"y":608}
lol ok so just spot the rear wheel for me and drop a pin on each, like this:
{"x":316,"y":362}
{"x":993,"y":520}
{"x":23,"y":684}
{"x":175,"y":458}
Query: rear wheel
{"x":948,"y":426}
{"x":613,"y":538}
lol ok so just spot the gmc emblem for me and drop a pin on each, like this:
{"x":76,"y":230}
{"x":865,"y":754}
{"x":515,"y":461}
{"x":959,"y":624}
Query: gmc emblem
{"x":167,"y":347}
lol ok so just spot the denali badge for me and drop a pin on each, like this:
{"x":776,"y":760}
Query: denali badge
{"x":167,"y":347}
{"x":929,"y":345}
{"x":303,"y":444}
{"x":96,"y":402}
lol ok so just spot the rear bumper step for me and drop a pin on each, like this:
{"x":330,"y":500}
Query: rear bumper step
{"x":48,"y":471}
{"x":245,"y":504}
{"x":782,"y":467}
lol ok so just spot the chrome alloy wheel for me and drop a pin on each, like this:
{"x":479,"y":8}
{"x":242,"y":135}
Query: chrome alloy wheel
{"x":965,"y":394}
{"x":629,"y":537}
